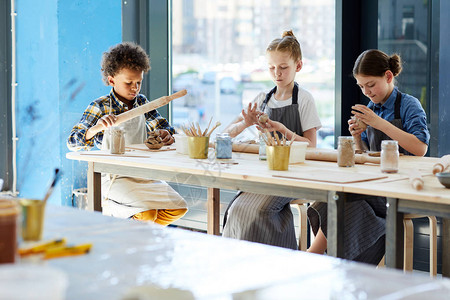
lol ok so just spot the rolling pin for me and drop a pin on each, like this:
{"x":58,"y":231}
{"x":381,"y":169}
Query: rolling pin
{"x":416,"y":180}
{"x":331,"y":156}
{"x":128,"y":115}
{"x":246,"y":148}
{"x":442,"y":164}
{"x":311,"y":154}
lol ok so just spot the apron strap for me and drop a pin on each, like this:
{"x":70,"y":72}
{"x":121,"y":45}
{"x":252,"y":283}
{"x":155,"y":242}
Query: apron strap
{"x":272,"y":91}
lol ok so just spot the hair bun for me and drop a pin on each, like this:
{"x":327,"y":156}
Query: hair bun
{"x":395,"y":64}
{"x":288,"y":33}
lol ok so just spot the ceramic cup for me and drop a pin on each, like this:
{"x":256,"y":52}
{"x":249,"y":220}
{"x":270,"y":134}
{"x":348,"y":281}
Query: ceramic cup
{"x":33,"y":212}
{"x":198,"y":146}
{"x":181,"y":143}
{"x":278,"y":157}
{"x":297,"y":152}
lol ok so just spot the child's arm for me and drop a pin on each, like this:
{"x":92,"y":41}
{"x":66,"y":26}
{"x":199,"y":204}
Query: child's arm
{"x":406,"y":140}
{"x":309,"y":136}
{"x":77,"y":139}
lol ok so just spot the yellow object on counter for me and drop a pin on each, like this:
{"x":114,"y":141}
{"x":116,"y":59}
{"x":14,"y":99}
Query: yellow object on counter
{"x":67,"y":251}
{"x":42,"y":247}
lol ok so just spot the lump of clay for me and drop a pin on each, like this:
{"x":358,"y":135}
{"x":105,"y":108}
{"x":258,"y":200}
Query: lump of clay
{"x":359,"y":124}
{"x":154,"y":141}
{"x":263,"y":118}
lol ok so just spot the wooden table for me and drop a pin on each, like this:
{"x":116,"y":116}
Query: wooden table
{"x":252,"y":175}
{"x":128,"y":254}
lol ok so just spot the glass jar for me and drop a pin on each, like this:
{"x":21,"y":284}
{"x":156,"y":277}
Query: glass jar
{"x":262,"y":148}
{"x":389,"y":156}
{"x":224,"y":147}
{"x":346,"y":151}
{"x":117,"y":141}
{"x":9,"y":228}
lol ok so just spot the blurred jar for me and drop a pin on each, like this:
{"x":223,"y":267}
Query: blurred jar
{"x":9,"y":228}
{"x":224,"y":146}
{"x":346,"y":151}
{"x":389,"y":156}
{"x":117,"y":140}
{"x":262,"y":148}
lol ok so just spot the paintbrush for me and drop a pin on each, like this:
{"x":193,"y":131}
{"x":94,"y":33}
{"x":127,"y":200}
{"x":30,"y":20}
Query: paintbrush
{"x":50,"y":188}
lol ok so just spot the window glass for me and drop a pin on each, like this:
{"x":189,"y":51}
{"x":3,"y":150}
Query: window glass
{"x":218,"y":55}
{"x":403,"y":29}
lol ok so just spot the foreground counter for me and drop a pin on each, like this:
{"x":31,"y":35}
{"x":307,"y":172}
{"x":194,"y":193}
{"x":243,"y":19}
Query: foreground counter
{"x":132,"y":257}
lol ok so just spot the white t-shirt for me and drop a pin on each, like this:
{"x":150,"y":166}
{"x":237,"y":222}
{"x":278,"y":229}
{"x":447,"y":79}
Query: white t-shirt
{"x":309,"y":118}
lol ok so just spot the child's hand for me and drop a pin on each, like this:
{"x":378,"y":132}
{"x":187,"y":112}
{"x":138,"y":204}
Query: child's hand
{"x":165,"y":136}
{"x":272,"y":126}
{"x":366,"y":115}
{"x":354,"y":129}
{"x":107,"y":121}
{"x":251,"y":115}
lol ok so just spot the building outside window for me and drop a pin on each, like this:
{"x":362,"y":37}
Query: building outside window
{"x":218,"y":55}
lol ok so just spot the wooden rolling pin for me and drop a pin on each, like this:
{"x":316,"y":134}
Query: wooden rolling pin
{"x":246,"y":148}
{"x":128,"y":115}
{"x":331,"y":155}
{"x":416,"y":180}
{"x":442,"y":164}
{"x":311,"y":154}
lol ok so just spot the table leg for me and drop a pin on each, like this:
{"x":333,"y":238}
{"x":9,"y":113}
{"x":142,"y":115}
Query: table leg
{"x":335,"y":227}
{"x":94,"y":185}
{"x":394,"y":235}
{"x":213,"y":211}
{"x":445,"y":247}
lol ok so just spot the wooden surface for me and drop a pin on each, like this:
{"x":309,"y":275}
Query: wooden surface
{"x":252,"y":175}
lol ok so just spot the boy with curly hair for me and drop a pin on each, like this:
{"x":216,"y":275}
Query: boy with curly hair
{"x":123,"y":68}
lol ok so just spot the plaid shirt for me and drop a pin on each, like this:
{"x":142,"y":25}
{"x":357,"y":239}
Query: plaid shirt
{"x":100,"y":107}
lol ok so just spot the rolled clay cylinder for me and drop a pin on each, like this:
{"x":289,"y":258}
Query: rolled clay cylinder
{"x":416,"y":180}
{"x":442,"y":164}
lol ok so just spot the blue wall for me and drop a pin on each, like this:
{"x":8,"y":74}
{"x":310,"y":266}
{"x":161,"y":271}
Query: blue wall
{"x":59,"y":48}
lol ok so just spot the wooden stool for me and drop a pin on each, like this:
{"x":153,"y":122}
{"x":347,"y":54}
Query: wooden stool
{"x":300,"y":204}
{"x":408,"y":227}
{"x":409,"y":242}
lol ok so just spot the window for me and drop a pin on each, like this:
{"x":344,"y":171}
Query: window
{"x":218,"y":55}
{"x":404,"y":30}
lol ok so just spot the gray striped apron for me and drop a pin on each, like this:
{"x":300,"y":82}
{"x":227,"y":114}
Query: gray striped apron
{"x":263,"y":218}
{"x":365,"y":216}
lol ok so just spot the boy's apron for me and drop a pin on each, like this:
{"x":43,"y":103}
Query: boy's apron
{"x":262,"y":218}
{"x":125,"y":196}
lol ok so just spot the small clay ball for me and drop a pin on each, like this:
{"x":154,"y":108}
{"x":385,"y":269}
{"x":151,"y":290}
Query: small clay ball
{"x":154,"y":141}
{"x":263,"y":118}
{"x":359,"y":124}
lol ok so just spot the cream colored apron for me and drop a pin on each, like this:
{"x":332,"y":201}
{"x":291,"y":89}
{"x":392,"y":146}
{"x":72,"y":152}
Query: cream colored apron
{"x":124,"y":196}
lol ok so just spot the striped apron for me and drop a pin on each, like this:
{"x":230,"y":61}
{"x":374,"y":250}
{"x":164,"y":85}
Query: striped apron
{"x":263,"y":218}
{"x":365,"y":216}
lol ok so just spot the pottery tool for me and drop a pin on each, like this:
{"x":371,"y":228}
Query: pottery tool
{"x":416,"y":180}
{"x":67,"y":251}
{"x":50,"y":188}
{"x":442,"y":164}
{"x":116,"y":155}
{"x":128,"y":115}
{"x":212,"y":129}
{"x":206,"y":130}
{"x":42,"y":247}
